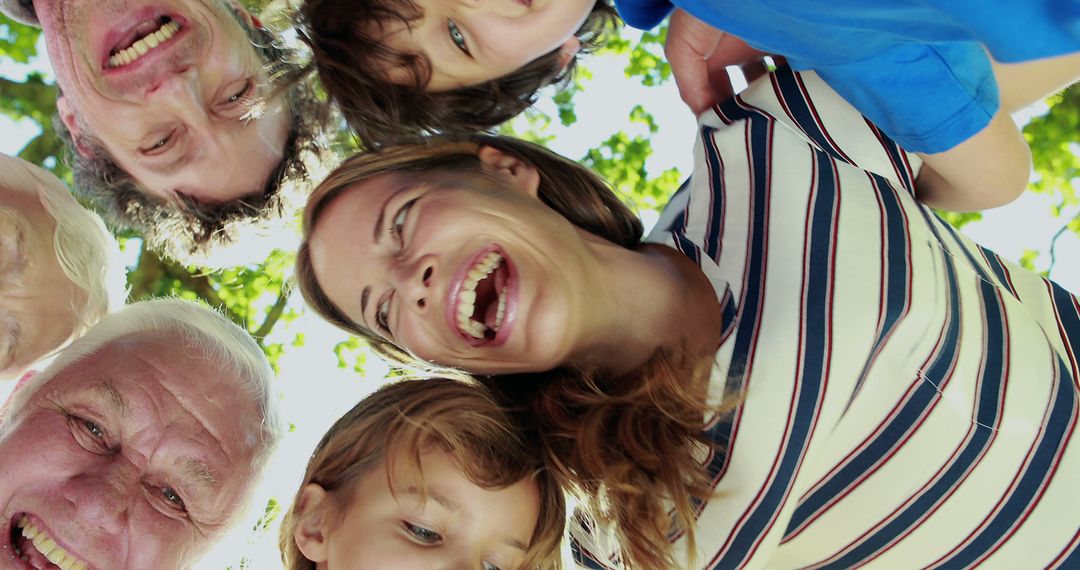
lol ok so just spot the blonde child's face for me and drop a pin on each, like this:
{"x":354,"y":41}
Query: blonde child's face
{"x":460,"y":525}
{"x":472,"y":41}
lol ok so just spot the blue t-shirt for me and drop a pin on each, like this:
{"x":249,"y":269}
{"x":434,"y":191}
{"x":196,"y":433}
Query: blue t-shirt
{"x":916,"y":68}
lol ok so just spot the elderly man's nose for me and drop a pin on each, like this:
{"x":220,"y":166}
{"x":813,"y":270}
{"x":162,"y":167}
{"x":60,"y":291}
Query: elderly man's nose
{"x":103,"y":498}
{"x":176,"y":87}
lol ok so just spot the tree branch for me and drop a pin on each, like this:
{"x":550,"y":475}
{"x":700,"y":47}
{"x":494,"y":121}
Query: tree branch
{"x":272,"y":317}
{"x":1053,"y":244}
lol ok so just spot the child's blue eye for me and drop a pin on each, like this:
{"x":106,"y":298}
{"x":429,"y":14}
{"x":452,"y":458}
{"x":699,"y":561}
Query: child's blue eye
{"x":457,"y":37}
{"x":423,"y":535}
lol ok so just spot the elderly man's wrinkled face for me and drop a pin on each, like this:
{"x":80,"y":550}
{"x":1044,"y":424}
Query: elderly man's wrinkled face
{"x":36,"y":298}
{"x":136,"y":457}
{"x":167,"y":88}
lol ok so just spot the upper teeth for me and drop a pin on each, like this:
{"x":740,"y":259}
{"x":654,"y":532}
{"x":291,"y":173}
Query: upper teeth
{"x":48,"y":547}
{"x":144,"y":44}
{"x":467,"y":297}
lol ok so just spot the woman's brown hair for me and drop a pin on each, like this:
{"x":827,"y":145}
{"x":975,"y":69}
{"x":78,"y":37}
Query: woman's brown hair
{"x":353,"y":63}
{"x":625,"y":445}
{"x":398,"y":422}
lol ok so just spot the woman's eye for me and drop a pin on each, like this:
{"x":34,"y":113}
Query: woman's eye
{"x":399,"y":220}
{"x":382,"y":315}
{"x":423,"y":535}
{"x":457,"y":37}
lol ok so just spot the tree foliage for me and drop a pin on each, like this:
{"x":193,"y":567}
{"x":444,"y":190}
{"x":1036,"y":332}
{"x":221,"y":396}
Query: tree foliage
{"x":256,"y":296}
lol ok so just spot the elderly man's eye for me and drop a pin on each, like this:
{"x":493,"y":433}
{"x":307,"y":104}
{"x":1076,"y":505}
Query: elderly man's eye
{"x":94,"y":429}
{"x":90,"y":435}
{"x":172,"y":496}
{"x":242,"y":93}
{"x":159,"y":145}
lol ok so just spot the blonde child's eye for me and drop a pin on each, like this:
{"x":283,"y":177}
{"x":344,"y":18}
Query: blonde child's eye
{"x":489,"y":566}
{"x":423,"y":535}
{"x":457,"y":37}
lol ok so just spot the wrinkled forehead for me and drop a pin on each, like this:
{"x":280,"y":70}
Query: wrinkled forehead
{"x":167,"y":378}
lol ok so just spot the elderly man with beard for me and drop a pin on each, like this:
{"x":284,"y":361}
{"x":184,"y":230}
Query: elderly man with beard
{"x":138,"y":446}
{"x":60,"y":269}
{"x":174,"y":122}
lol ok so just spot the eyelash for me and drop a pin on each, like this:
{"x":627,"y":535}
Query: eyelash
{"x":417,"y":531}
{"x":94,"y":438}
{"x":161,"y":145}
{"x":457,"y":37}
{"x":382,"y":313}
{"x":242,"y":94}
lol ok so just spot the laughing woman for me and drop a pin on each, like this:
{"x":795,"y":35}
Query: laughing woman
{"x":894,"y":395}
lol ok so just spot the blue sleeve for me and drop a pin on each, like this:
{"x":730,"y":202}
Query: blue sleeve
{"x":926,"y":97}
{"x":643,"y":14}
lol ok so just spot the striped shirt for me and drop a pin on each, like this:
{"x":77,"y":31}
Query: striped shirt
{"x":910,"y":397}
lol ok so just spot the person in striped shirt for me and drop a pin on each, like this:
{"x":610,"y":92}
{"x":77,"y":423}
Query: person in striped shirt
{"x":877,"y":389}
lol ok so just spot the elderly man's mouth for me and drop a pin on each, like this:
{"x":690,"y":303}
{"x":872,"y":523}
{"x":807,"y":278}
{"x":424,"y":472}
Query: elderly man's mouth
{"x":32,"y":544}
{"x":141,"y":40}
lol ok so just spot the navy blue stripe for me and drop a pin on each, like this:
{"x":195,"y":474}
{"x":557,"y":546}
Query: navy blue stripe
{"x":986,"y":416}
{"x":905,"y":421}
{"x":678,"y":223}
{"x":818,"y":289}
{"x":896,"y":156}
{"x":1058,"y":427}
{"x":581,"y":559}
{"x":961,"y":246}
{"x":897,"y":272}
{"x":1072,"y":559}
{"x":998,"y":269}
{"x":1064,"y":302}
{"x":791,"y":90}
{"x":713,"y":233}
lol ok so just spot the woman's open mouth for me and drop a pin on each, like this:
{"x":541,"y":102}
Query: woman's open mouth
{"x":142,"y":39}
{"x":37,"y":549}
{"x":480,"y":304}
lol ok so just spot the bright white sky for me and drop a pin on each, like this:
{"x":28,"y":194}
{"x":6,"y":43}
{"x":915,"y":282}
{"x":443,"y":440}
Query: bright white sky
{"x":314,"y":391}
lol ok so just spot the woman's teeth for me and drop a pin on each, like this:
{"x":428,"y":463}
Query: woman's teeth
{"x":467,"y":298}
{"x":144,"y":44}
{"x":48,"y":547}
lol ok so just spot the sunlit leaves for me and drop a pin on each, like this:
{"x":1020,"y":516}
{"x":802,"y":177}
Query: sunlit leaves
{"x":17,"y":41}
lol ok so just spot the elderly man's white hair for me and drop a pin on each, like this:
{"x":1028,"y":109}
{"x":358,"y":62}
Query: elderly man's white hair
{"x":228,"y":346}
{"x":86,"y":251}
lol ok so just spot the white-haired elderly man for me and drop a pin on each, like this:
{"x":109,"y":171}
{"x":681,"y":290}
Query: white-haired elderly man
{"x":59,"y":267}
{"x":138,"y":446}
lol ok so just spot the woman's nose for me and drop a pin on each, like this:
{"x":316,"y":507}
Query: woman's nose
{"x":415,"y":283}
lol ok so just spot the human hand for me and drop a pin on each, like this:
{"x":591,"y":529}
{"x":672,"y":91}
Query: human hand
{"x":699,"y":55}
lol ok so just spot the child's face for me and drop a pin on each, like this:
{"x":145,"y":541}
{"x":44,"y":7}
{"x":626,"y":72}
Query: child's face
{"x":472,"y":41}
{"x":461,"y":525}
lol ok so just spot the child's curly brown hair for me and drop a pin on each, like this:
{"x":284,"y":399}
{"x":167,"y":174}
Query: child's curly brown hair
{"x":353,"y":65}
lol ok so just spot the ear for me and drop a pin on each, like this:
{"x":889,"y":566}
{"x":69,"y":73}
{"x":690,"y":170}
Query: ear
{"x":243,"y":12}
{"x":311,"y":517}
{"x":67,"y":115}
{"x":521,"y":175}
{"x":568,"y":51}
{"x":23,"y":381}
